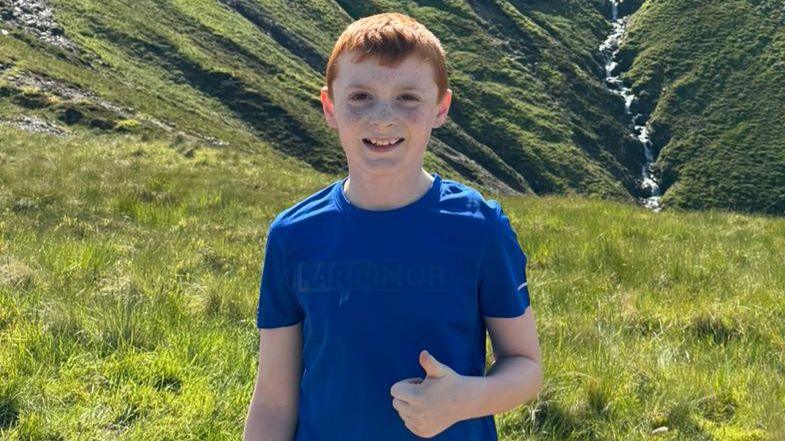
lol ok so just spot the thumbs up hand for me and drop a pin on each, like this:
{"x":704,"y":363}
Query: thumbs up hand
{"x":430,"y":405}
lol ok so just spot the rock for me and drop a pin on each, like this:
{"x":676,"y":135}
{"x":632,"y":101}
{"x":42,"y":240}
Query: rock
{"x":35,"y":18}
{"x":36,"y":125}
{"x":659,"y":430}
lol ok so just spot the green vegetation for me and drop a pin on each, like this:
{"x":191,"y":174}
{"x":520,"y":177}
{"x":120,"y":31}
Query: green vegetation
{"x":130,"y":249}
{"x":530,"y":113}
{"x":129,"y":272}
{"x":712,"y":76}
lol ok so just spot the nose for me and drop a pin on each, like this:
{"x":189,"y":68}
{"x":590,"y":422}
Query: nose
{"x":382,"y":117}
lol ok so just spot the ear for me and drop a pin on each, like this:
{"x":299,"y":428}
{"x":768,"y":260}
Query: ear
{"x":444,"y":106}
{"x":328,"y":108}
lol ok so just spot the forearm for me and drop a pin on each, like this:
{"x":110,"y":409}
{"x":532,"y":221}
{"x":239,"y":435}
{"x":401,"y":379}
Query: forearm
{"x":269,"y":424}
{"x":509,"y":382}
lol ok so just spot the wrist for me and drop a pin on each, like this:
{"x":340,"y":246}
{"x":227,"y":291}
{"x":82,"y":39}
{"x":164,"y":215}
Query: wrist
{"x":473,"y":397}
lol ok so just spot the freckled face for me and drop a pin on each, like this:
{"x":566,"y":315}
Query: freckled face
{"x":373,"y":101}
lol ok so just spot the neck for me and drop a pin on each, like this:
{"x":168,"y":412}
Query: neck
{"x":386,"y":192}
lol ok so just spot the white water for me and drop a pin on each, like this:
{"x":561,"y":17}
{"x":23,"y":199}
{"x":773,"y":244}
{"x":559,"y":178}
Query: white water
{"x":609,"y":49}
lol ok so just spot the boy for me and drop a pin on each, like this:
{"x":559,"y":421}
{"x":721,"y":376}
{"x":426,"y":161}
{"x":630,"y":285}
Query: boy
{"x":377,"y":290}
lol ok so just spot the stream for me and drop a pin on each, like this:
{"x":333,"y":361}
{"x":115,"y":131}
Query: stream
{"x":609,"y":50}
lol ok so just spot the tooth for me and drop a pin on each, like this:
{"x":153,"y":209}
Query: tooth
{"x":380,"y":142}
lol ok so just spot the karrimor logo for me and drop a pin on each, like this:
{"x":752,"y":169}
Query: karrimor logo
{"x":369,"y":275}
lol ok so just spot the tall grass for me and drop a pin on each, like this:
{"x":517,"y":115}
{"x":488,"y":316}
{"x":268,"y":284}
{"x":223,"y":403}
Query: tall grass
{"x":128,"y":285}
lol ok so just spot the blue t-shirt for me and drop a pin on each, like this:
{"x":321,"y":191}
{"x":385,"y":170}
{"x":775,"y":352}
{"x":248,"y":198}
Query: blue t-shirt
{"x":374,"y":288}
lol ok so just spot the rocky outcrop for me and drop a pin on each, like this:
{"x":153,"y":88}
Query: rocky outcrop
{"x":36,"y":18}
{"x":36,"y":125}
{"x":72,"y":105}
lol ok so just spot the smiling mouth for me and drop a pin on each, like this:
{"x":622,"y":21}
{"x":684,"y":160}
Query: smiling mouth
{"x":368,"y":143}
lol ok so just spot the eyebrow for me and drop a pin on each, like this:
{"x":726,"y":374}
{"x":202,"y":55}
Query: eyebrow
{"x":364,"y":86}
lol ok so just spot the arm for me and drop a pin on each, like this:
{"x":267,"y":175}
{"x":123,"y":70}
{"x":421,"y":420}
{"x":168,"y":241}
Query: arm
{"x":429,"y":405}
{"x":272,"y":414}
{"x":516,"y":375}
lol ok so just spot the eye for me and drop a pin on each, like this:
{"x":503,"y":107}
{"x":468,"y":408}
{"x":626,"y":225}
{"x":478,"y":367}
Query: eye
{"x":358,"y":96}
{"x":409,"y":97}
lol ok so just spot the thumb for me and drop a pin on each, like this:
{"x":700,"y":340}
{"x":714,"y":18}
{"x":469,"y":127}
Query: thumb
{"x":433,"y":367}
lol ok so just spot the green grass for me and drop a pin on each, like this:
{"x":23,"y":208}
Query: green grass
{"x":130,"y":257}
{"x":711,"y":75}
{"x":529,"y":111}
{"x":129,"y":272}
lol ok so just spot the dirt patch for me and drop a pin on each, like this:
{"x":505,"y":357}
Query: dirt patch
{"x":72,"y":104}
{"x":64,"y":91}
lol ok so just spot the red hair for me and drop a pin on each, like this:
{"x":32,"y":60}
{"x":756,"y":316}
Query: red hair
{"x":391,"y":37}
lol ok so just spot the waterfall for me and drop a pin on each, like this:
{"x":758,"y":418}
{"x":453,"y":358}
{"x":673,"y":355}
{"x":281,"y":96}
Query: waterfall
{"x":609,"y":50}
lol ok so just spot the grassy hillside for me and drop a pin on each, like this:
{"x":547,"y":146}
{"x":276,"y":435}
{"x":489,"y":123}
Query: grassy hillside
{"x":530,"y":114}
{"x":129,"y":274}
{"x":131,"y":236}
{"x":712,"y":75}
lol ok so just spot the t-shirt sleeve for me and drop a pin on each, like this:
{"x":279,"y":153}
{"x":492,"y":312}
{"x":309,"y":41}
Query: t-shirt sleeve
{"x":278,"y":306}
{"x":502,"y":287}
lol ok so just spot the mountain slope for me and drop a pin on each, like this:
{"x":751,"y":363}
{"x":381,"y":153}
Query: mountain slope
{"x":712,"y":76}
{"x":530,"y":114}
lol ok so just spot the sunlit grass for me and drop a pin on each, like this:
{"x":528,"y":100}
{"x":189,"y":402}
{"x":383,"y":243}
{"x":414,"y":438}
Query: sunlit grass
{"x":129,"y":276}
